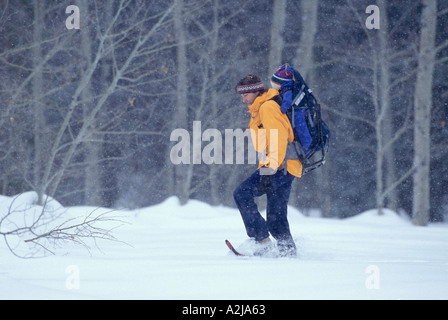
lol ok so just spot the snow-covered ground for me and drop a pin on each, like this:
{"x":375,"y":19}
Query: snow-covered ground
{"x":170,"y":251}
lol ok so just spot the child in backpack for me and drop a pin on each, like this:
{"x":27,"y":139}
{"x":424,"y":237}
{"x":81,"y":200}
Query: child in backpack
{"x":311,"y":132}
{"x":283,"y":81}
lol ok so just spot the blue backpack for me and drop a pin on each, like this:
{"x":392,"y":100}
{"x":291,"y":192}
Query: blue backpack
{"x":311,"y":133}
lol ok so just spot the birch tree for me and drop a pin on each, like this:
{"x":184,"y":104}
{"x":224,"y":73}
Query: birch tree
{"x":277,"y":29}
{"x":38,"y":106}
{"x":129,"y":42}
{"x":422,"y":113}
{"x":183,"y":173}
{"x":386,"y":134}
{"x":378,"y":57}
{"x":304,"y":59}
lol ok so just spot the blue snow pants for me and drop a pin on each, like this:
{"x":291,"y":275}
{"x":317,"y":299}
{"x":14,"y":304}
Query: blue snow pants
{"x":276,"y":222}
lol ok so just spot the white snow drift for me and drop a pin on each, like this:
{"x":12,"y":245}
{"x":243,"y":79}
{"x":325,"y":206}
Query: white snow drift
{"x":170,"y":251}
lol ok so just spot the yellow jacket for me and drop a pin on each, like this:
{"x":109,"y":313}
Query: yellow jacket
{"x":273,"y":139}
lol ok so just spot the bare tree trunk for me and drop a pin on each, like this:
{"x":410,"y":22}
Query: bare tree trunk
{"x":92,"y":176}
{"x":385,"y":101}
{"x":304,"y":63}
{"x":183,"y":173}
{"x":380,"y":92}
{"x":304,"y":59}
{"x":214,"y":185}
{"x":383,"y":113}
{"x":123,"y":68}
{"x":37,"y":89}
{"x":277,"y":43}
{"x":422,"y":114}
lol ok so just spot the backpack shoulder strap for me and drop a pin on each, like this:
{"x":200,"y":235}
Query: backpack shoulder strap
{"x":277,"y":99}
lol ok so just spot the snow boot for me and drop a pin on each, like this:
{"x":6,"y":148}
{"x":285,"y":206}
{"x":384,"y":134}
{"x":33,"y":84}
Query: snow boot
{"x":287,"y":249}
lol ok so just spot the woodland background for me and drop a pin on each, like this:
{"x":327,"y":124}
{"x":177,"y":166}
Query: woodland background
{"x":86,"y":114}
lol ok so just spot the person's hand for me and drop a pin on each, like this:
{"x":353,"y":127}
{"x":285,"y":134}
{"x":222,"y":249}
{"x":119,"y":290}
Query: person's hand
{"x":264,"y":185}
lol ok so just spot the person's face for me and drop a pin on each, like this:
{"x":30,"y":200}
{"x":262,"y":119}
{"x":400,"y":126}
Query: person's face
{"x":249,"y":98}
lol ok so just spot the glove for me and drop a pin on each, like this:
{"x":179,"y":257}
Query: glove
{"x":264,"y":185}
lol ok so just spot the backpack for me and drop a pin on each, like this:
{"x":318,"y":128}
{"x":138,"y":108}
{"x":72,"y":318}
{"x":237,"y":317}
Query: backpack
{"x":311,"y":133}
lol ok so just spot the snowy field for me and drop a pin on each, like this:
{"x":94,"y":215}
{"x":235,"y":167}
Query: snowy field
{"x":178,"y":253}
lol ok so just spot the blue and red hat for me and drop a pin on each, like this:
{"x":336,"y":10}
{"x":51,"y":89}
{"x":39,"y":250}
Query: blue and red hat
{"x":283,"y":74}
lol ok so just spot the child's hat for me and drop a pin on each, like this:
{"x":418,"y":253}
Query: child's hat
{"x":284,"y":73}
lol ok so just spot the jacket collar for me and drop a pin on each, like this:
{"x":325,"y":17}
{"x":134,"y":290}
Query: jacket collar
{"x":254,"y":107}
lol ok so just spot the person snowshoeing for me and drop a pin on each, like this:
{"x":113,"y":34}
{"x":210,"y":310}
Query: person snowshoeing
{"x":269,"y":178}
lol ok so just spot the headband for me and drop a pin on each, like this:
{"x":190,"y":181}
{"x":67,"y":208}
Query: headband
{"x":247,"y":88}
